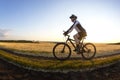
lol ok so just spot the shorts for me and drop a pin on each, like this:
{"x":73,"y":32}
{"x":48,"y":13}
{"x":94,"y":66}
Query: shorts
{"x":82,"y":34}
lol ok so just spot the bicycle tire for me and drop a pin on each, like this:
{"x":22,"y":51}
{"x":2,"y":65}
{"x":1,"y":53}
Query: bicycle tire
{"x":88,"y":48}
{"x":58,"y":47}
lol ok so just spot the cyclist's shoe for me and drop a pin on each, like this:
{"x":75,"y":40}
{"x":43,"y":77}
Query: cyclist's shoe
{"x":75,"y":50}
{"x":79,"y":52}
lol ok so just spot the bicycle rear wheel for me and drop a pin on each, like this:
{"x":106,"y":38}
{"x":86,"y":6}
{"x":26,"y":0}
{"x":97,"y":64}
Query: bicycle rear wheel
{"x":89,"y":51}
{"x":61,"y":51}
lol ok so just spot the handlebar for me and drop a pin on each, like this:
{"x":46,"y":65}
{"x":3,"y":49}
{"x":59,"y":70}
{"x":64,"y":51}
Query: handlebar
{"x":68,"y":37}
{"x":67,"y":34}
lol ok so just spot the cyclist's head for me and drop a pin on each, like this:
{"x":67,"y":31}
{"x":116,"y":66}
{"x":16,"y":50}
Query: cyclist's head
{"x":73,"y":17}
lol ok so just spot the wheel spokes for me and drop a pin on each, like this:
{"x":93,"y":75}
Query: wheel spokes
{"x":62,"y":51}
{"x":89,"y":51}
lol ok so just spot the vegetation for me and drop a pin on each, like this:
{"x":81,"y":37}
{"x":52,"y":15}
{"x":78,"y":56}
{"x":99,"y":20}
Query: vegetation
{"x":114,"y":43}
{"x":18,"y":41}
{"x":41,"y":47}
{"x":45,"y":47}
{"x":56,"y":64}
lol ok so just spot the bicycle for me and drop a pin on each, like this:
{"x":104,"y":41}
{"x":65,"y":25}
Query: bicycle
{"x":62,"y":50}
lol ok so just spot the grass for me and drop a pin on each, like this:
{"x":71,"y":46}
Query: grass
{"x":46,"y":48}
{"x":56,"y":64}
{"x":42,"y":47}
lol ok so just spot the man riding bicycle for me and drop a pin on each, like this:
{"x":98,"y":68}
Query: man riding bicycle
{"x":81,"y":32}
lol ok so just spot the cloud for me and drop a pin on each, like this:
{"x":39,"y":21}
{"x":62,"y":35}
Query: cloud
{"x":4,"y":33}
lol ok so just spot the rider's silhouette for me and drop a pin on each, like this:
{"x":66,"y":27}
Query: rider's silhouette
{"x":81,"y":32}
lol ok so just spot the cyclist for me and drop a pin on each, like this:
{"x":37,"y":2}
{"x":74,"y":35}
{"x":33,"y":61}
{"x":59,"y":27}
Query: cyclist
{"x":81,"y":32}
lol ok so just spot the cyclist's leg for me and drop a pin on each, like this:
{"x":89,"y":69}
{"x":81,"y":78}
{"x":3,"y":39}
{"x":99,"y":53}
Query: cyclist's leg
{"x":76,"y":37}
{"x":80,"y":38}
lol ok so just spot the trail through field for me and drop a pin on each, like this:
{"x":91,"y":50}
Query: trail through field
{"x":107,"y":54}
{"x":44,"y":51}
{"x":12,"y":72}
{"x":50,"y":55}
{"x":106,"y":50}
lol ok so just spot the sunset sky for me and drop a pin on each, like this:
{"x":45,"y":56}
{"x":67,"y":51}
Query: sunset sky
{"x":45,"y":20}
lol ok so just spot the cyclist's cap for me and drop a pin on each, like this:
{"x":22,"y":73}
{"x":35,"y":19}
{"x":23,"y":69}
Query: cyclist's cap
{"x":73,"y":16}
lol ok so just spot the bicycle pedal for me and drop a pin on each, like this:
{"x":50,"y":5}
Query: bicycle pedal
{"x":80,"y":52}
{"x":74,"y":50}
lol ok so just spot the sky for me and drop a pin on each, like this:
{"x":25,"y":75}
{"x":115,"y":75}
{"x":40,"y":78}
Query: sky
{"x":45,"y":20}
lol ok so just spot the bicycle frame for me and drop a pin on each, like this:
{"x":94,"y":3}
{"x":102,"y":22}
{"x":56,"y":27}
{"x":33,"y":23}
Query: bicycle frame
{"x":87,"y":50}
{"x":70,"y":40}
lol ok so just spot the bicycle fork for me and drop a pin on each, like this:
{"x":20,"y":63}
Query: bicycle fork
{"x":63,"y":49}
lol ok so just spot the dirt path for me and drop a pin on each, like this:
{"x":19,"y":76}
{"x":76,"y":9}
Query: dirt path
{"x":12,"y":72}
{"x":77,"y":57}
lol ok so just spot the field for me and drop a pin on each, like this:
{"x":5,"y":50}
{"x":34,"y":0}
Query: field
{"x":46,"y":48}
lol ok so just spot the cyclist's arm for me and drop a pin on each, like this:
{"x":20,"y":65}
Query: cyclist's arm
{"x":68,"y":31}
{"x":72,"y":27}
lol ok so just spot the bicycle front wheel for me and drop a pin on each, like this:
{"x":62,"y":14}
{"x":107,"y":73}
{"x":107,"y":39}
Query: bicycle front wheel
{"x":62,"y":51}
{"x":89,"y":51}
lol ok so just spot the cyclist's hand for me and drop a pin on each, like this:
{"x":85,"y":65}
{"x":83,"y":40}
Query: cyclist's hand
{"x":65,"y":33}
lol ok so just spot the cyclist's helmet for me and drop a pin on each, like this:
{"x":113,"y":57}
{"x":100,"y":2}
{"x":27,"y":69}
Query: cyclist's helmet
{"x":73,"y":16}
